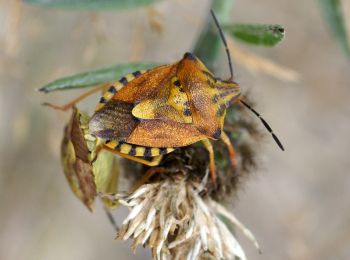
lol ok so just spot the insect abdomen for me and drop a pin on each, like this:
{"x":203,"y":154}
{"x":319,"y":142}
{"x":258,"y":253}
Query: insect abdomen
{"x":136,"y":150}
{"x":116,"y":86}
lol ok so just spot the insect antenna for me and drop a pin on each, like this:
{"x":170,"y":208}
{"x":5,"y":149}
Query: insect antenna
{"x":267,"y":126}
{"x":225,"y":44}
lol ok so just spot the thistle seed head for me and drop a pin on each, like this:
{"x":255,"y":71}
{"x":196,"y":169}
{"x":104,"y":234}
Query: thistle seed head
{"x":174,"y":216}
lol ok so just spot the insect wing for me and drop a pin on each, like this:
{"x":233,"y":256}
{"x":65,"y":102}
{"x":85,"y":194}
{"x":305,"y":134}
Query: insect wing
{"x":113,"y":121}
{"x":146,"y":86}
{"x":164,"y":133}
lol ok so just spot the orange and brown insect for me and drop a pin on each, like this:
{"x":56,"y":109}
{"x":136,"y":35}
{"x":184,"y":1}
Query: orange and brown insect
{"x":147,"y":114}
{"x":164,"y":108}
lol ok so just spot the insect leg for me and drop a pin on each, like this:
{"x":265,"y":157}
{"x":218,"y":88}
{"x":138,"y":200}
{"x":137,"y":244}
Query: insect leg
{"x":212,"y":167}
{"x":230,"y":148}
{"x":71,"y":104}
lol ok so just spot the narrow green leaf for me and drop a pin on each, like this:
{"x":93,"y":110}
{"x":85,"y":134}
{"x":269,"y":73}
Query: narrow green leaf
{"x":259,"y":34}
{"x":94,"y":77}
{"x":91,"y":4}
{"x":332,"y":13}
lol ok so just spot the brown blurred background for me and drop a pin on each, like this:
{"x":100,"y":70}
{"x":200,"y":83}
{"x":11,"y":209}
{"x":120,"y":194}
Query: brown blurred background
{"x":297,"y":203}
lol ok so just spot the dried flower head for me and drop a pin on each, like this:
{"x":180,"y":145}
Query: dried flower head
{"x":176,"y":218}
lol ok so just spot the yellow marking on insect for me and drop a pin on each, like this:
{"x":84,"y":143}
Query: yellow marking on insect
{"x":179,"y":100}
{"x":154,"y":152}
{"x":169,"y":150}
{"x":170,"y":103}
{"x":112,"y":144}
{"x":140,"y":151}
{"x":99,"y":106}
{"x":136,"y":150}
{"x":108,"y":95}
{"x":125,"y":148}
{"x":129,"y":77}
{"x":116,"y":86}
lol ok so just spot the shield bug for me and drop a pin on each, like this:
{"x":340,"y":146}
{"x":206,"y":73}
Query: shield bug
{"x":148,"y":114}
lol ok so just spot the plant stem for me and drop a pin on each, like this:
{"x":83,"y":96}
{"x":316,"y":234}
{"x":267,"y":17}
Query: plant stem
{"x":208,"y":44}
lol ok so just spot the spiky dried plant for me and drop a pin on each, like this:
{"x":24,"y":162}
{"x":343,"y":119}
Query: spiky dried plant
{"x":177,"y":219}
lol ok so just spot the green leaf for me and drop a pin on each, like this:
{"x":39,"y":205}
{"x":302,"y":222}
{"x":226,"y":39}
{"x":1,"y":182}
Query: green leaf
{"x":259,"y":34}
{"x":332,"y":12}
{"x":95,"y":77}
{"x":91,"y":4}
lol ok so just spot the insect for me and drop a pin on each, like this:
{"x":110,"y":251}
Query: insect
{"x":148,"y":114}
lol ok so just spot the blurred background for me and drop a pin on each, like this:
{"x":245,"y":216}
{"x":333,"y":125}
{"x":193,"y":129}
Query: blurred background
{"x":297,"y":201}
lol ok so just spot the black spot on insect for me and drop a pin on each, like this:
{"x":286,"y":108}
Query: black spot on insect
{"x":147,"y":152}
{"x":123,"y":80}
{"x":162,"y":151}
{"x":217,"y":133}
{"x":117,"y":147}
{"x":132,"y":151}
{"x":215,"y":98}
{"x":221,"y":110}
{"x":136,"y":73}
{"x":177,"y":83}
{"x":103,"y":100}
{"x":187,"y":112}
{"x":107,"y":141}
{"x":112,"y":90}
